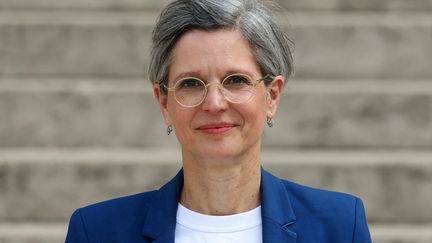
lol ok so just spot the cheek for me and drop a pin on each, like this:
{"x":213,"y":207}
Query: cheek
{"x":254,"y":114}
{"x":260,"y":106}
{"x":181,"y":118}
{"x":259,"y":120}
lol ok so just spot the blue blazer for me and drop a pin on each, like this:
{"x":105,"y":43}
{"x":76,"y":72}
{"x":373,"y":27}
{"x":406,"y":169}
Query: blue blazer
{"x":291,"y":213}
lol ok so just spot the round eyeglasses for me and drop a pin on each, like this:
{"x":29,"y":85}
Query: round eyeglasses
{"x":236,"y":88}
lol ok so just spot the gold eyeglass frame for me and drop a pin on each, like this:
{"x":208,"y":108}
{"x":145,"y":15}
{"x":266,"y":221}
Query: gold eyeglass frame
{"x":254,"y":83}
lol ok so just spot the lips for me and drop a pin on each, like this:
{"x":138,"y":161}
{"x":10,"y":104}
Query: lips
{"x":216,"y":128}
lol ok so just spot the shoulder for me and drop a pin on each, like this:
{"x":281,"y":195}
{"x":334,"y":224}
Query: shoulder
{"x":106,"y":219}
{"x":340,"y":213}
{"x":316,"y":214}
{"x":323,"y":205}
{"x":116,"y":211}
{"x":318,"y":198}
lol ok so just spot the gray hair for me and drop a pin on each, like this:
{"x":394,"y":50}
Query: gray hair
{"x":270,"y":45}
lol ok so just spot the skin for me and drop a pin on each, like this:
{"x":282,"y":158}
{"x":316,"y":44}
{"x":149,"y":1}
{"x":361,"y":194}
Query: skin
{"x":220,"y":141}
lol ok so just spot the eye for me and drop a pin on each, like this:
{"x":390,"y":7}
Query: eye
{"x":236,"y":81}
{"x":190,"y":83}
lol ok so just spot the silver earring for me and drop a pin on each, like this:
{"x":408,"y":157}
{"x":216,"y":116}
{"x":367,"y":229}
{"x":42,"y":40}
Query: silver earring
{"x":270,"y":122}
{"x":169,"y":129}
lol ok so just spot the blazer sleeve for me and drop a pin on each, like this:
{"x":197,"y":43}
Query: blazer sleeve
{"x":76,"y":231}
{"x":361,"y":231}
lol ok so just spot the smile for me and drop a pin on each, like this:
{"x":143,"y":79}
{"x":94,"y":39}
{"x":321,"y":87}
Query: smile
{"x":216,"y":128}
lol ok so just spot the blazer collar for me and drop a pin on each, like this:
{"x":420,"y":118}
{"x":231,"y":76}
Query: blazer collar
{"x":276,"y":209}
{"x":160,"y":221}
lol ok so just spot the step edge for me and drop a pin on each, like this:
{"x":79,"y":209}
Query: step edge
{"x":157,"y":156}
{"x":138,"y":85}
{"x":148,"y":18}
{"x":382,"y":231}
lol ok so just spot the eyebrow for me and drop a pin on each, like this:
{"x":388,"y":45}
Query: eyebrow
{"x":187,"y":75}
{"x":238,"y":71}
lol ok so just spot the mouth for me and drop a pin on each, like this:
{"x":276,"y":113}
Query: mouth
{"x":216,"y":128}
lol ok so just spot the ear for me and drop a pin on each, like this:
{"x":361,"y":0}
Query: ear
{"x":162,"y":101}
{"x":274,"y":95}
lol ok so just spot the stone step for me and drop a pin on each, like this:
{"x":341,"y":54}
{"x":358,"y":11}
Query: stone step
{"x":47,"y":185}
{"x":293,"y":5}
{"x":55,"y":232}
{"x":401,"y":233}
{"x":328,"y":45}
{"x":32,"y":232}
{"x":124,"y":113}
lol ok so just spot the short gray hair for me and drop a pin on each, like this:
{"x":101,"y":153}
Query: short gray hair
{"x":268,"y":42}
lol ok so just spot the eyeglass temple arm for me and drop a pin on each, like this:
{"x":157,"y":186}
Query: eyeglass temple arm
{"x":164,"y":87}
{"x":267,"y":78}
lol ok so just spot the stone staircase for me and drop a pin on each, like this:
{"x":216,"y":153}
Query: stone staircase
{"x":78,"y":123}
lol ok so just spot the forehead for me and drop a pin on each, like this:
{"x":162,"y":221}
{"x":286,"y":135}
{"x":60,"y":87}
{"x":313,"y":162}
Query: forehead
{"x":213,"y":53}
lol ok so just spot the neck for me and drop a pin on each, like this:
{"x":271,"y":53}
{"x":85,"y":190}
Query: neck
{"x":222,"y":188}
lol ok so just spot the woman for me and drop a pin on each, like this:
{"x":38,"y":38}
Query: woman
{"x":219,"y":67}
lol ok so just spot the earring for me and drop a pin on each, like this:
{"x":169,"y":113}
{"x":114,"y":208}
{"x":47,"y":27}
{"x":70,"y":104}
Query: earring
{"x":270,"y":122}
{"x":169,"y":129}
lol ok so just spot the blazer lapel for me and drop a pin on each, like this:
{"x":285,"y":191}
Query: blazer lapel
{"x":277,"y":213}
{"x":160,"y":222}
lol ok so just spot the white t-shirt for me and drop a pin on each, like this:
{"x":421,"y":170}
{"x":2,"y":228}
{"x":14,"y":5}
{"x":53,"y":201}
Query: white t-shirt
{"x":193,"y":227}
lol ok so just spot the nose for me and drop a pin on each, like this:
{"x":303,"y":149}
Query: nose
{"x":215,"y":100}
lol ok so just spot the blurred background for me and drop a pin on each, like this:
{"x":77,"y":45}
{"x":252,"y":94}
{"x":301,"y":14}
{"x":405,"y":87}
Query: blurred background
{"x":79,"y":124}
